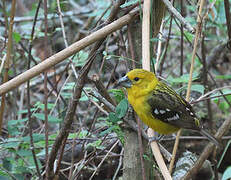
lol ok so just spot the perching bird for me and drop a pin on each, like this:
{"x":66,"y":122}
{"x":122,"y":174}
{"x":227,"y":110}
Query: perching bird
{"x":159,"y":106}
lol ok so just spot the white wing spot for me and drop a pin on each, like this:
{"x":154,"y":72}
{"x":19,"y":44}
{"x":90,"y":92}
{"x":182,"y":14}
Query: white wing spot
{"x":191,"y":113}
{"x":173,"y":118}
{"x":177,"y":116}
{"x":162,"y":111}
{"x":187,"y":109}
{"x":168,"y":110}
{"x":156,"y":111}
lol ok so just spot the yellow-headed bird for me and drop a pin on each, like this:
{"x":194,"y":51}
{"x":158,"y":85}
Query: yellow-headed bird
{"x":159,"y":106}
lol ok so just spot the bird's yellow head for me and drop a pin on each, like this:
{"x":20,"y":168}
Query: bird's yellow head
{"x":138,"y":82}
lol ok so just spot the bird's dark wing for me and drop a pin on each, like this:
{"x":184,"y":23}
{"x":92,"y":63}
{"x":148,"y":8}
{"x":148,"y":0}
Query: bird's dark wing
{"x":167,"y":106}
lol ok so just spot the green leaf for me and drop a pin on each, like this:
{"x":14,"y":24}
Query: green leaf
{"x":69,"y":86}
{"x":182,"y":79}
{"x":10,"y":144}
{"x":4,"y":176}
{"x":227,"y":174}
{"x":16,"y":37}
{"x":26,"y":111}
{"x":83,"y":134}
{"x":199,"y":88}
{"x":121,"y":108}
{"x":23,"y":152}
{"x":36,"y":137}
{"x":15,"y":122}
{"x":107,"y":131}
{"x":223,"y":77}
{"x":51,"y":119}
{"x":113,"y":118}
{"x":41,"y":105}
{"x":80,"y":59}
{"x":96,"y":144}
{"x":118,"y":94}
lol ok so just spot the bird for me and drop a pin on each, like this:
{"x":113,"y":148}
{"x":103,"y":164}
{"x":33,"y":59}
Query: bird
{"x":159,"y":106}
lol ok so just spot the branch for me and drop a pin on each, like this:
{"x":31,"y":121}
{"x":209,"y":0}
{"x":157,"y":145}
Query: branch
{"x":178,"y":16}
{"x":208,"y":150}
{"x":62,"y":55}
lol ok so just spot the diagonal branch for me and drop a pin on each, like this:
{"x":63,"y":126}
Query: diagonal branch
{"x":72,"y":49}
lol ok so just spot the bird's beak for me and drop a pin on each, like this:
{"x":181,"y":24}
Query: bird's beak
{"x":125,"y":82}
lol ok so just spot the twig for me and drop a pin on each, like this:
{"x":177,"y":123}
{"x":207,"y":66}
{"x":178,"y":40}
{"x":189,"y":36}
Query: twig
{"x":159,"y":47}
{"x":146,"y":65}
{"x":178,"y":16}
{"x":81,"y":81}
{"x":210,"y":75}
{"x":141,"y":149}
{"x":60,"y":156}
{"x":146,"y":35}
{"x":211,"y":92}
{"x":166,"y":47}
{"x":72,"y":49}
{"x":104,"y":159}
{"x":50,"y":17}
{"x":119,"y":165}
{"x":28,"y":93}
{"x":228,"y":22}
{"x":45,"y":85}
{"x":197,"y":36}
{"x":181,"y":41}
{"x":208,"y":150}
{"x":69,"y":116}
{"x":7,"y":62}
{"x":158,"y":157}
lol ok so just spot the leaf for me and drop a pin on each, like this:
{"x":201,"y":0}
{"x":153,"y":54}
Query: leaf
{"x":15,"y":122}
{"x":4,"y":176}
{"x":10,"y":144}
{"x":121,"y":108}
{"x":113,"y":118}
{"x":25,"y":111}
{"x":16,"y":37}
{"x":223,"y":77}
{"x":80,"y":59}
{"x":182,"y":79}
{"x":107,"y":131}
{"x":199,"y":88}
{"x":51,"y":119}
{"x":118,"y":94}
{"x":69,"y":86}
{"x":41,"y":105}
{"x":23,"y":152}
{"x":36,"y":137}
{"x":227,"y":174}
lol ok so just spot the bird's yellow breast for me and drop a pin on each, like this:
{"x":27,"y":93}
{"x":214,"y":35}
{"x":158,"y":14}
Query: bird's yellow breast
{"x":143,"y":110}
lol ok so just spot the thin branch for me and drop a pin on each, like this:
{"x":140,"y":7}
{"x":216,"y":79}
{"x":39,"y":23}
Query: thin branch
{"x":228,"y":22}
{"x":45,"y":85}
{"x":159,"y":158}
{"x":7,"y":62}
{"x":72,"y":49}
{"x":178,"y":16}
{"x":196,"y":39}
{"x":28,"y":93}
{"x":104,"y":159}
{"x":208,"y":150}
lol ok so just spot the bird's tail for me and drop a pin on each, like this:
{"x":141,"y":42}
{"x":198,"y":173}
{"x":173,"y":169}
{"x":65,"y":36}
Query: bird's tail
{"x":210,"y":137}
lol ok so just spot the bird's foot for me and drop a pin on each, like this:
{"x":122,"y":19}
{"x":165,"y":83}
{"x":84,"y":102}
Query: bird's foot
{"x":156,"y":138}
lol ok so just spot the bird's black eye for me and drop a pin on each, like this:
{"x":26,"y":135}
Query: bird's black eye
{"x":136,"y":79}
